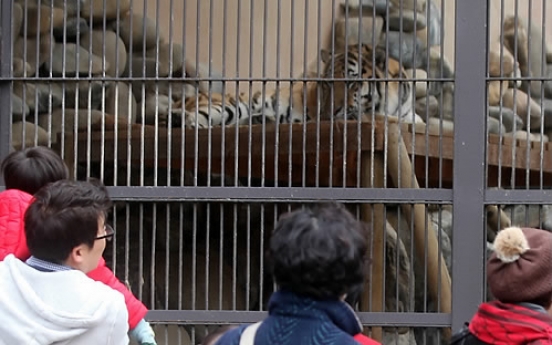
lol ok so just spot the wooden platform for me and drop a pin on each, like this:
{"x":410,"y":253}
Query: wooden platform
{"x":321,"y":154}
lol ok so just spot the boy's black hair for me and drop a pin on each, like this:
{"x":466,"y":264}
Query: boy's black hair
{"x":64,"y":215}
{"x":30,"y":169}
{"x":319,"y":252}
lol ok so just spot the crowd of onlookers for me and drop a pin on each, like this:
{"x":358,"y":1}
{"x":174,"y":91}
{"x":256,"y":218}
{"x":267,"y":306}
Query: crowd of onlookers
{"x":57,"y":289}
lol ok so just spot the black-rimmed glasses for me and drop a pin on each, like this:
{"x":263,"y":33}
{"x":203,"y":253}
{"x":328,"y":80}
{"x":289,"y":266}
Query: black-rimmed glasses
{"x":109,"y":232}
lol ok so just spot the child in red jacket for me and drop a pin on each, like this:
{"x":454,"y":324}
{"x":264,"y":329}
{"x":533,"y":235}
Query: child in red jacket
{"x":25,"y":172}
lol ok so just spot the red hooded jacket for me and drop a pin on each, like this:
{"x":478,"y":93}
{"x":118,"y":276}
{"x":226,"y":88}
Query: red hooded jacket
{"x":364,"y":340}
{"x":511,"y":324}
{"x":13,"y":204}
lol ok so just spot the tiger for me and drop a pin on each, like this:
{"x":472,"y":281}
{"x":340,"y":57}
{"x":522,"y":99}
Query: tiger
{"x":214,"y":110}
{"x":293,"y":104}
{"x":364,"y":92}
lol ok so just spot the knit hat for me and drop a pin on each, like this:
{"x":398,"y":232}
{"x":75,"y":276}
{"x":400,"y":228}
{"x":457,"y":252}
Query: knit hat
{"x":520,"y":268}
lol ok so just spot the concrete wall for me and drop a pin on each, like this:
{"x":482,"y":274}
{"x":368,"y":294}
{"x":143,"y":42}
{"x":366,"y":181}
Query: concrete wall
{"x":233,"y":43}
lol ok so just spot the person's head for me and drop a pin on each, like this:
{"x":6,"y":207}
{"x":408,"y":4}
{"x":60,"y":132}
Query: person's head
{"x":32,"y":168}
{"x":65,"y":223}
{"x":520,"y":267}
{"x":318,"y":252}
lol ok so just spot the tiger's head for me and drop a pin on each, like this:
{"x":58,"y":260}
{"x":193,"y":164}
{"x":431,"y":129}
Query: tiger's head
{"x":359,"y":88}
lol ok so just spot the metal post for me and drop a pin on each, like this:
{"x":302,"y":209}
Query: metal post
{"x":5,"y":74}
{"x":469,"y":159}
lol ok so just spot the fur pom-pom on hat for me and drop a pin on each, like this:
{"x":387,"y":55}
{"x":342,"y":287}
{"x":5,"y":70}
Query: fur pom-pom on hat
{"x":510,"y":244}
{"x":520,"y":268}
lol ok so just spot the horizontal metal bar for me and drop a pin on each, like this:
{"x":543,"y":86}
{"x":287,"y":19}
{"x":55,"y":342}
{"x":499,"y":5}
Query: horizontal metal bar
{"x":281,"y":194}
{"x":518,"y":196}
{"x":433,"y":320}
{"x":536,"y":78}
{"x":222,"y":79}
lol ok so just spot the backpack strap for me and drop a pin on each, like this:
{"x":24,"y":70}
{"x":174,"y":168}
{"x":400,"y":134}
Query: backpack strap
{"x":248,"y":335}
{"x":460,"y":336}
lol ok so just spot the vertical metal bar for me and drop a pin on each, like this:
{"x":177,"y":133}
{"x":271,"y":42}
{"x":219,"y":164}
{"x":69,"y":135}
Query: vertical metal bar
{"x":5,"y":72}
{"x":277,"y":91}
{"x":237,"y":85}
{"x":304,"y":105}
{"x":252,"y":23}
{"x":544,"y":71}
{"x":500,"y":104}
{"x":469,"y":159}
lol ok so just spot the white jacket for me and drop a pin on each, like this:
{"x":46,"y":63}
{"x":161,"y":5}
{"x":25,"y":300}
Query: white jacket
{"x":61,"y":308}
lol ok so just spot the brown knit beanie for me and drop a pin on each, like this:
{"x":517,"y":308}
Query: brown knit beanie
{"x":520,"y":268}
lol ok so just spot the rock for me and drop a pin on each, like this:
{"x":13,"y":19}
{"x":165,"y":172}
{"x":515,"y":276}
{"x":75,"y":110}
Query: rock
{"x":439,"y":67}
{"x":546,"y":105}
{"x":447,"y":107}
{"x":510,"y":120}
{"x":404,"y":47}
{"x":28,"y":134}
{"x":370,"y":31}
{"x":548,"y":82}
{"x":167,"y":65}
{"x":38,"y":97}
{"x":177,"y":91}
{"x":437,"y":125}
{"x":136,"y":38}
{"x":532,"y":59}
{"x":120,"y":102}
{"x":35,"y":58}
{"x":427,"y":107}
{"x":523,"y":103}
{"x":112,"y":9}
{"x":381,"y":7}
{"x":72,"y":117}
{"x":420,"y":86}
{"x":41,"y":20}
{"x":495,"y":67}
{"x":433,"y":18}
{"x":64,"y":61}
{"x":494,"y":126}
{"x":20,"y":68}
{"x":200,"y":70}
{"x":135,"y":67}
{"x":524,"y":135}
{"x":157,"y":109}
{"x":68,"y":6}
{"x":414,"y":5}
{"x":533,"y":216}
{"x":17,"y":19}
{"x":74,"y":27}
{"x":19,"y":109}
{"x":407,"y":21}
{"x":397,"y":274}
{"x":109,"y":45}
{"x":89,"y":93}
{"x":496,"y":89}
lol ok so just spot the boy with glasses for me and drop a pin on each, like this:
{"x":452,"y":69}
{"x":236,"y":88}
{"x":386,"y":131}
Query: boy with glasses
{"x":25,"y":172}
{"x":48,"y":299}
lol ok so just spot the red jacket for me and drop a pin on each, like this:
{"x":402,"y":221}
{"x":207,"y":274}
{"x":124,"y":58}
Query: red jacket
{"x":13,"y":204}
{"x":511,"y":324}
{"x":364,"y":340}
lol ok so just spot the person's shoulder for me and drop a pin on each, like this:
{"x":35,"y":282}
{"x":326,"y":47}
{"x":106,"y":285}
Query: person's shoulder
{"x":15,"y":195}
{"x":231,"y":337}
{"x":96,"y":290}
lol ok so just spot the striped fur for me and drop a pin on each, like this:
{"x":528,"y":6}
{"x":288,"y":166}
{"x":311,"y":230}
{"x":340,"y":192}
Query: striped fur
{"x":215,"y":110}
{"x":286,"y":104}
{"x":365,"y":92}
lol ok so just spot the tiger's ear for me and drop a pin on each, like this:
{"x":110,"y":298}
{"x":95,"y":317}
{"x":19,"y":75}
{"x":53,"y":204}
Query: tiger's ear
{"x":325,"y":55}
